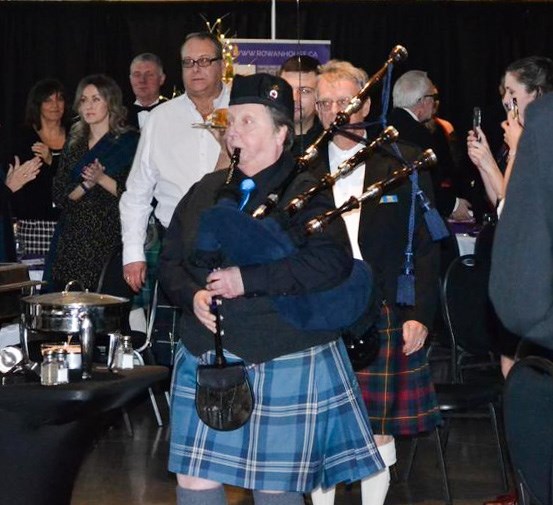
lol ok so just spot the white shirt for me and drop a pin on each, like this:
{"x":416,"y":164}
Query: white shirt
{"x":171,"y":156}
{"x":343,"y":189}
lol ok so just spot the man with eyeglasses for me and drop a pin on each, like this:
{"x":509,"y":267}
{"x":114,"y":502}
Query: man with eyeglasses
{"x":173,"y":152}
{"x":146,"y":78}
{"x":414,"y":100}
{"x":396,"y":386}
{"x":301,"y":71}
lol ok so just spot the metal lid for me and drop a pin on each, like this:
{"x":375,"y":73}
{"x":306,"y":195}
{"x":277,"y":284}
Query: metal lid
{"x":74,"y":299}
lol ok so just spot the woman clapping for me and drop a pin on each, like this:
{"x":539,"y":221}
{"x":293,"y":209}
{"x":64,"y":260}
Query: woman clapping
{"x":91,"y":177}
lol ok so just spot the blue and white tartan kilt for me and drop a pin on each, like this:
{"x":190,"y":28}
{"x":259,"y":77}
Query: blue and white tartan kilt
{"x":309,"y":426}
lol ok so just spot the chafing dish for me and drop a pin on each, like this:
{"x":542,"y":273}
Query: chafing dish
{"x":73,"y":312}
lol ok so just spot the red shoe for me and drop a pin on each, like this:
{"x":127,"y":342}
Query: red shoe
{"x":504,"y":499}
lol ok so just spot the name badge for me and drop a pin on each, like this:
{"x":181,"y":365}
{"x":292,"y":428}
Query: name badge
{"x":389,"y":199}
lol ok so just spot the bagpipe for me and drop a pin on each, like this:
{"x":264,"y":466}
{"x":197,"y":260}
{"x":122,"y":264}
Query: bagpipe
{"x":426,"y":160}
{"x":397,"y":54}
{"x":390,"y":134}
{"x":228,"y":234}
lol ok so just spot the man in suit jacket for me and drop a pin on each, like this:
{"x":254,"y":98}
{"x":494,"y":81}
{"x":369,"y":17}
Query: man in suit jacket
{"x":146,"y":77}
{"x":379,"y":234}
{"x":414,"y":97}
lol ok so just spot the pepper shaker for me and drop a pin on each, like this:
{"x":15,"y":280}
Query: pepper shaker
{"x":49,"y":369}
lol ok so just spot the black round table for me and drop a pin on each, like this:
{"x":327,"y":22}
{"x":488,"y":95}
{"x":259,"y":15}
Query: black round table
{"x":46,"y":431}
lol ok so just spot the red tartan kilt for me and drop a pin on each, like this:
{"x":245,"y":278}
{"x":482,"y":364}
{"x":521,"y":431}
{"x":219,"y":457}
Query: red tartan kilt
{"x":397,"y":389}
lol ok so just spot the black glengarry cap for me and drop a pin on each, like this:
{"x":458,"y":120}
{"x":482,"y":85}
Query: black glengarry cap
{"x":264,"y":89}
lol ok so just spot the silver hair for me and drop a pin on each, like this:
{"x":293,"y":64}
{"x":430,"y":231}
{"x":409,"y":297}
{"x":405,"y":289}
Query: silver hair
{"x":337,"y":70}
{"x":410,"y":88}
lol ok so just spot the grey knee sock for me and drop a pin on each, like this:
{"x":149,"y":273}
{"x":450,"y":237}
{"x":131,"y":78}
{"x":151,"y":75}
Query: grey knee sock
{"x":201,"y":497}
{"x":261,"y":498}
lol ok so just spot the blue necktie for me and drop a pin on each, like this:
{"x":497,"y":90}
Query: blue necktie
{"x":246,"y":188}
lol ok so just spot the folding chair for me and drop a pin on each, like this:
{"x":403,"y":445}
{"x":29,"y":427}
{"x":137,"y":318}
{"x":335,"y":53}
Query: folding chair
{"x":113,"y":283}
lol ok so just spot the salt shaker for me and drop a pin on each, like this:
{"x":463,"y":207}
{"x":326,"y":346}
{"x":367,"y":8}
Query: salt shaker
{"x":124,"y":355}
{"x":49,"y":369}
{"x":63,"y":366}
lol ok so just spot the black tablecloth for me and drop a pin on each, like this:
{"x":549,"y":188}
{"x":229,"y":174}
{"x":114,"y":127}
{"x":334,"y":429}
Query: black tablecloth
{"x":46,"y":431}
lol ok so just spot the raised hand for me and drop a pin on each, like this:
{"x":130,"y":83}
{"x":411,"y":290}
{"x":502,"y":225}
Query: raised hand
{"x":41,"y":150}
{"x":20,"y":174}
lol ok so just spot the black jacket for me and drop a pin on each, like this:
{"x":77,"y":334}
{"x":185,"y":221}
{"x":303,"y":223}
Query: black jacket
{"x":445,"y":180}
{"x":34,"y":200}
{"x":302,"y":142}
{"x":254,"y":328}
{"x":7,"y":244}
{"x":134,"y":109}
{"x":383,"y":233}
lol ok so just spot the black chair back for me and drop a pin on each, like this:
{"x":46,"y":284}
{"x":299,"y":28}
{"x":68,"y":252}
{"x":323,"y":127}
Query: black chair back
{"x":113,"y":283}
{"x":466,"y":303}
{"x":468,"y":312}
{"x":484,"y":242}
{"x":528,"y":416}
{"x":449,"y":250}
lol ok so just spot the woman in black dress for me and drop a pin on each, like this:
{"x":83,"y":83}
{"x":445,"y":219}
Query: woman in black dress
{"x":91,"y":177}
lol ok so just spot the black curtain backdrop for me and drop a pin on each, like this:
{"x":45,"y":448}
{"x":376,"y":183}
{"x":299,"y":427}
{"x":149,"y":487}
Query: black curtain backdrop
{"x":464,"y":46}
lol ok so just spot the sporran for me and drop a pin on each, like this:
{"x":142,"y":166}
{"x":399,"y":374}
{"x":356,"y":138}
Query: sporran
{"x":224,"y":399}
{"x":362,"y":349}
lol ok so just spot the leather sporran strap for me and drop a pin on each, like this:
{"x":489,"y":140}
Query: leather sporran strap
{"x":224,"y":399}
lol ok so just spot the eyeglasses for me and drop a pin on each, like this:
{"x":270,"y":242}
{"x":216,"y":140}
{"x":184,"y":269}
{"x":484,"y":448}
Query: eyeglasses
{"x":201,"y":62}
{"x":326,"y":105}
{"x":434,"y":96}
